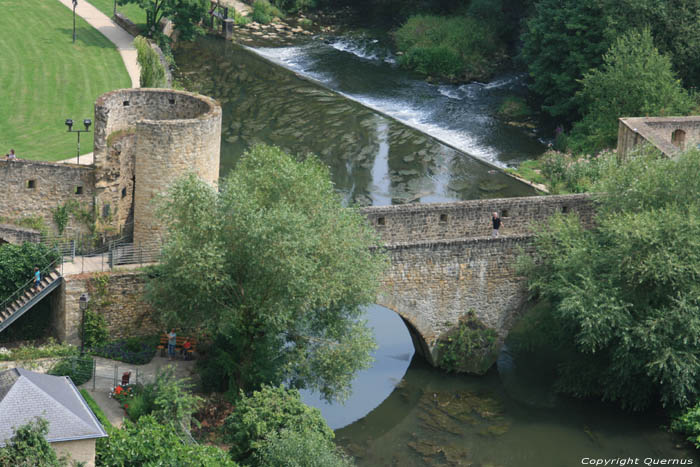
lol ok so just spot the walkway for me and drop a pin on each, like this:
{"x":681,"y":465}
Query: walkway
{"x":120,"y":38}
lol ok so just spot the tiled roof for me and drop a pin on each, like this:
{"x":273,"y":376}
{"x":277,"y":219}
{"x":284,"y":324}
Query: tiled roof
{"x":25,"y":395}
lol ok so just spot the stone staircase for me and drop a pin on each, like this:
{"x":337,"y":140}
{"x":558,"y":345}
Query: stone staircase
{"x":27,"y":296}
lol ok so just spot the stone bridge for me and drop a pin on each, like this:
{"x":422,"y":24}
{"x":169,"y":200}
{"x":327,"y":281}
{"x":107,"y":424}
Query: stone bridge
{"x":445,"y":263}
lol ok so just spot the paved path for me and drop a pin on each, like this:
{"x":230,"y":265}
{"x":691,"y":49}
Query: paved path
{"x":120,"y":38}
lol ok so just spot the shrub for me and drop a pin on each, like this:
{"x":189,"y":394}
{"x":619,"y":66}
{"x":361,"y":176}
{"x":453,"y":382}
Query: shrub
{"x":50,"y":349}
{"x":452,"y":47}
{"x":292,"y":6}
{"x":78,"y":368}
{"x":94,"y":333}
{"x":264,"y":12}
{"x":133,"y":350}
{"x":514,"y":108}
{"x":470,"y":347}
{"x":149,"y":442}
{"x":268,"y":411}
{"x":688,"y":423}
{"x":152,"y":70}
{"x":291,"y":448}
{"x":28,"y":447}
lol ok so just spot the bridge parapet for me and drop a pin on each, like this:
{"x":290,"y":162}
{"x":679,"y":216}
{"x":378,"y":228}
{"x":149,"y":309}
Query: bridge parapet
{"x":468,"y":219}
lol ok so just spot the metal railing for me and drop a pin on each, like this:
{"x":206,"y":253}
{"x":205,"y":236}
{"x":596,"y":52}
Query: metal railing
{"x":53,"y":266}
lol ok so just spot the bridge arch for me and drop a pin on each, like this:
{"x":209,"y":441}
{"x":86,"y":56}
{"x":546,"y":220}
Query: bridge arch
{"x":419,"y":343}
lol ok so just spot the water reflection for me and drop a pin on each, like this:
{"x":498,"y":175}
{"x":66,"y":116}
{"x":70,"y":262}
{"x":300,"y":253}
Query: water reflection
{"x":266,"y":103}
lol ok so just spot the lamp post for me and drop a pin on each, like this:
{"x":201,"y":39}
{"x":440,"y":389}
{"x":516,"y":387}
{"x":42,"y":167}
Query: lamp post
{"x":83,"y":302}
{"x":75,"y":4}
{"x":87,"y":122}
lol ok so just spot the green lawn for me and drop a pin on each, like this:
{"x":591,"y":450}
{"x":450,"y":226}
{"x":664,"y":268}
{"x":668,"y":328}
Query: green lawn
{"x":45,"y":78}
{"x":130,"y":10}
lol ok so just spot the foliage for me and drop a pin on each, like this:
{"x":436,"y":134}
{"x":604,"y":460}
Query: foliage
{"x":468,"y":347}
{"x":290,"y":448}
{"x":50,"y":349}
{"x":152,"y":70}
{"x":688,"y":423}
{"x":185,"y":14}
{"x":292,"y":6}
{"x":28,"y":447}
{"x":566,"y":173}
{"x":624,"y":294}
{"x":563,"y":40}
{"x":264,"y":12}
{"x":266,"y":412}
{"x":514,"y":108}
{"x":674,"y":25}
{"x":78,"y":368}
{"x":455,"y":47}
{"x":273,"y":266}
{"x":136,"y":350}
{"x":634,"y":80}
{"x":95,"y":330}
{"x":150,"y":443}
{"x":240,"y":19}
{"x":17,"y":263}
{"x":96,"y":409}
{"x":173,"y":403}
{"x":61,"y":216}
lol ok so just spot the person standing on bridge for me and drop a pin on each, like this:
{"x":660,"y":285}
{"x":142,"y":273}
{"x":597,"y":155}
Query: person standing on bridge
{"x":496,"y":224}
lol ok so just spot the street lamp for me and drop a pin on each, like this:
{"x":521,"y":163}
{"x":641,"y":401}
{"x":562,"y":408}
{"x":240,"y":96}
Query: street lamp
{"x":75,"y":4}
{"x":69,"y":123}
{"x":83,"y":302}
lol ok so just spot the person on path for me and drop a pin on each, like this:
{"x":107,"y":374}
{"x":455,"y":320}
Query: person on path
{"x":496,"y":224}
{"x":37,"y":278}
{"x":172,"y":342}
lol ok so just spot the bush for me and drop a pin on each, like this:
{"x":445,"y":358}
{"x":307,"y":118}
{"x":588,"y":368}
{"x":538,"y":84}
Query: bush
{"x":134,"y":350}
{"x":152,"y":70}
{"x":78,"y":368}
{"x":17,"y":264}
{"x":293,"y":449}
{"x":50,"y":349}
{"x":456,"y":47}
{"x":468,"y":348}
{"x":292,"y":6}
{"x":688,"y":423}
{"x":264,"y":12}
{"x":95,"y":332}
{"x":267,"y":412}
{"x":514,"y":108}
{"x":28,"y":447}
{"x":149,"y":443}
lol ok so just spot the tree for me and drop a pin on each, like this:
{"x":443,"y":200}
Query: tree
{"x":625,"y":295}
{"x":563,"y":40}
{"x":268,"y":413}
{"x":17,"y":263}
{"x":149,"y":443}
{"x":28,"y":447}
{"x":275,"y":269}
{"x":290,"y":448}
{"x":185,"y":14}
{"x":634,"y":80}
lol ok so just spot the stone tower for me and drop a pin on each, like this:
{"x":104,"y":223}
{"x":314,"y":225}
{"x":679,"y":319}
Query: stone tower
{"x":145,"y":139}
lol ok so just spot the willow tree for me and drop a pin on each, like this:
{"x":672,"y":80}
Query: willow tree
{"x":275,"y":270}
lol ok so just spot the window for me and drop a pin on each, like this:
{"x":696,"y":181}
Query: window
{"x":443,"y":217}
{"x":106,"y":211}
{"x":172,"y":101}
{"x":678,"y":138}
{"x":565,"y":209}
{"x":504,"y":213}
{"x":78,"y":190}
{"x":381,"y":221}
{"x":31,"y":184}
{"x":126,"y":103}
{"x":123,"y":192}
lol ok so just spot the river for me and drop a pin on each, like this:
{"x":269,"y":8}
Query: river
{"x":418,"y":147}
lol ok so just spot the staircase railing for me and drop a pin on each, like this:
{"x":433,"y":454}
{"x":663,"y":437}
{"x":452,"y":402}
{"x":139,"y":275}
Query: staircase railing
{"x":27,"y":286}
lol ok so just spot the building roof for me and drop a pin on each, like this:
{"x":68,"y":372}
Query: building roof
{"x":658,"y":130}
{"x":25,"y":395}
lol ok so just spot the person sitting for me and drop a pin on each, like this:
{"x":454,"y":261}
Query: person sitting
{"x":12,"y":156}
{"x":186,"y":346}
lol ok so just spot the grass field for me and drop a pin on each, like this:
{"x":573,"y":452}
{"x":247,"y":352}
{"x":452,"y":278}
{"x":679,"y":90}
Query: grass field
{"x":45,"y":78}
{"x":130,"y":10}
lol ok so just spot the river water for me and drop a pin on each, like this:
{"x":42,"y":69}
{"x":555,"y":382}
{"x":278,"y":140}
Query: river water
{"x":404,"y":412}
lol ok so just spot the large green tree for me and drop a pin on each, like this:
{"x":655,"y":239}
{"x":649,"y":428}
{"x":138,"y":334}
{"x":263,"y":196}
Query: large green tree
{"x":275,"y":269}
{"x":185,"y":14}
{"x":634,"y":80}
{"x":17,"y":263}
{"x":625,"y":295}
{"x":28,"y":447}
{"x":562,"y":40}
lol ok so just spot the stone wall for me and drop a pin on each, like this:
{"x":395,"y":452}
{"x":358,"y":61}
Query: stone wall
{"x":121,"y":303}
{"x":464,"y":219}
{"x":174,"y":133}
{"x":670,"y":135}
{"x":33,"y":189}
{"x":18,"y":235}
{"x":432,"y":284}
